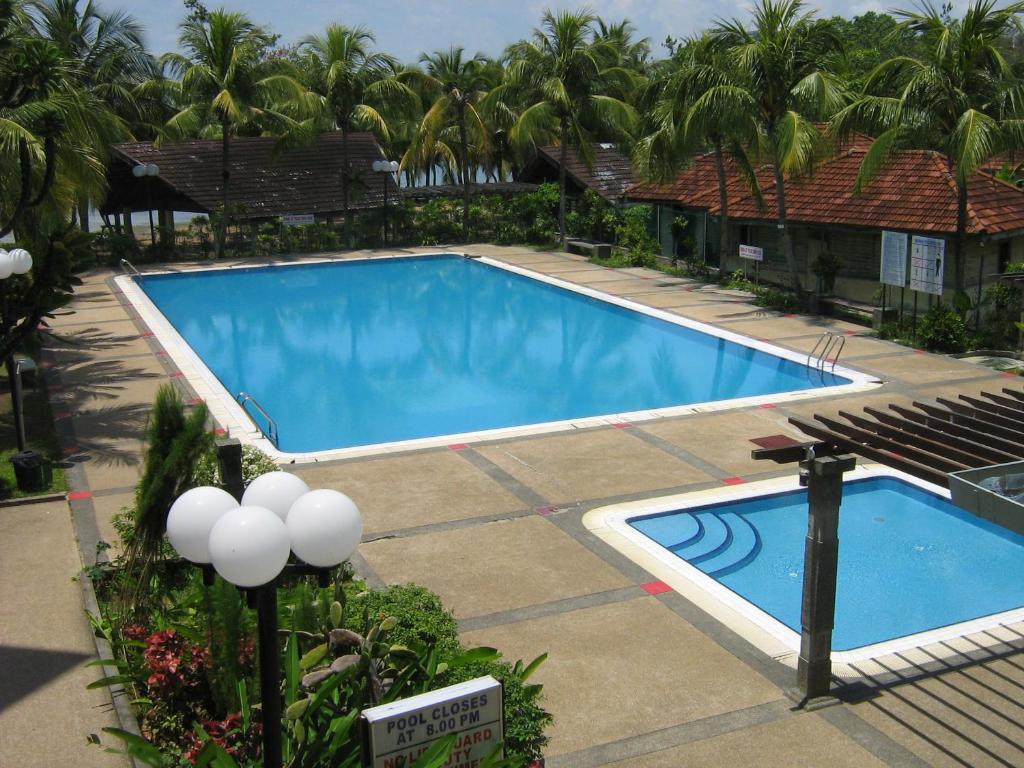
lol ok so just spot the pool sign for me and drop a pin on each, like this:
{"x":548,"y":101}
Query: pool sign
{"x":894,"y":259}
{"x":927,"y":255}
{"x":751,"y":252}
{"x":298,"y":219}
{"x":395,"y":734}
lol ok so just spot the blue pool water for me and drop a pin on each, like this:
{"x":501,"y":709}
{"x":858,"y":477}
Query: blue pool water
{"x":909,"y":561}
{"x":364,"y":352}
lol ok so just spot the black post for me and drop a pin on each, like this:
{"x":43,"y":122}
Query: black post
{"x":386,"y":209}
{"x":821,"y":559}
{"x":13,"y":379}
{"x":229,"y":462}
{"x":270,"y":674}
{"x":149,"y":205}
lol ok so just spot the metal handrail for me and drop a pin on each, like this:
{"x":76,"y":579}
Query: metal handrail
{"x":127,"y":266}
{"x":271,"y":432}
{"x":831,"y":345}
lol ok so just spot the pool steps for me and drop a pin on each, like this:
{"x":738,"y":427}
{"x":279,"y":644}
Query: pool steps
{"x":718,"y":544}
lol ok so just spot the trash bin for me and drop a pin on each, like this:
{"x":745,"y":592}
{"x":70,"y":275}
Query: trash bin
{"x":28,"y":470}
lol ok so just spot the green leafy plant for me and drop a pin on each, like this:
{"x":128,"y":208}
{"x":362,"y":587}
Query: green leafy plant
{"x":254,"y":463}
{"x":942,"y":330}
{"x":826,"y":266}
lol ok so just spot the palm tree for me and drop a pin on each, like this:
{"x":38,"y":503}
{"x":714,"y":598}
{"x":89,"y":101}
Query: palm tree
{"x":350,"y":84}
{"x":678,"y":126}
{"x":959,"y":97}
{"x":457,"y":85}
{"x":53,"y":134}
{"x":105,"y":55}
{"x":785,"y":83}
{"x":224,"y":81}
{"x":563,"y":76}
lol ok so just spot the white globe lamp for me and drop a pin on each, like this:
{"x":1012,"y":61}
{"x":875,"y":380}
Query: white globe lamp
{"x":325,"y":527}
{"x":152,"y":169}
{"x":21,"y":261}
{"x":6,"y":265}
{"x":138,"y":171}
{"x":192,"y":517}
{"x":276,"y":491}
{"x":393,"y":166}
{"x":249,"y":546}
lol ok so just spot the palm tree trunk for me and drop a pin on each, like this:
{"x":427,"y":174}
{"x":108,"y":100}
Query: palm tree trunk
{"x":344,"y":188}
{"x":465,"y":172}
{"x":83,"y":213}
{"x":959,"y":262}
{"x":787,"y":239}
{"x":225,"y":176}
{"x":563,"y":158}
{"x":723,"y":205}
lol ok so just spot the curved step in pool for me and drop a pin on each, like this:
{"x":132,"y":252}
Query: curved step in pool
{"x":671,"y":530}
{"x":746,"y":543}
{"x":717,"y":537}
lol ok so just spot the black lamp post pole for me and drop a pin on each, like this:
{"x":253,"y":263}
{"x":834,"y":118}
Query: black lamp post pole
{"x":388,"y":173}
{"x":13,"y":377}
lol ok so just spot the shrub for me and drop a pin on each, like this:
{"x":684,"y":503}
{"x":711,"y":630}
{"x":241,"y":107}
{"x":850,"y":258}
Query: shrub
{"x":942,"y":330}
{"x":254,"y":463}
{"x":422,"y":617}
{"x":634,"y":236}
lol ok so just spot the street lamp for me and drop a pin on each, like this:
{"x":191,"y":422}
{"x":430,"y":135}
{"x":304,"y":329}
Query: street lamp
{"x":249,"y":542}
{"x":16,"y":262}
{"x":385,"y":166}
{"x":148,"y":171}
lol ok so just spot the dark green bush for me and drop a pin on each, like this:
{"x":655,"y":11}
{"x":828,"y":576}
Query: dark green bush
{"x":942,"y":330}
{"x":422,"y":617}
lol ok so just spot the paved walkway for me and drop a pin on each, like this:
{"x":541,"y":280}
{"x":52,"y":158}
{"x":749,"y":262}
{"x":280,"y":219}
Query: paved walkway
{"x":637,"y":676}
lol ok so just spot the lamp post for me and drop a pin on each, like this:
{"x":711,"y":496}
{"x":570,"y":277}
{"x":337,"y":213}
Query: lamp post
{"x":16,"y":262}
{"x":249,"y":541}
{"x":148,"y":171}
{"x":385,"y":166}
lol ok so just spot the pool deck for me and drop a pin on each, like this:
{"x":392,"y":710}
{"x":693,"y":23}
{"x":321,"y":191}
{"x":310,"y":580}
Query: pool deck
{"x":636,"y":675}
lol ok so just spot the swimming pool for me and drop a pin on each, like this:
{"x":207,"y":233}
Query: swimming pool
{"x":393,"y":351}
{"x":912,"y":567}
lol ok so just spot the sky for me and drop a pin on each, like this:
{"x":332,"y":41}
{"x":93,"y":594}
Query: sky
{"x":406,"y":28}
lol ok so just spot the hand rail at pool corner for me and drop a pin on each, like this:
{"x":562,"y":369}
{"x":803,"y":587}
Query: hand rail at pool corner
{"x":271,"y":432}
{"x":829,"y":342}
{"x":127,"y":266}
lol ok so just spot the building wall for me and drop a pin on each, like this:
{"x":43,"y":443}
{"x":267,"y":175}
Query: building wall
{"x":860,"y":252}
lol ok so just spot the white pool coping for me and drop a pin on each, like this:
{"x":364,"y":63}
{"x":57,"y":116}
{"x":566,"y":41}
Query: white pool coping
{"x":236,"y":422}
{"x":760,"y":628}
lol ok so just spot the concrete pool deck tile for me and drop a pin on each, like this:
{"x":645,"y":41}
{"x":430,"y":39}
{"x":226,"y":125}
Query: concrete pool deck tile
{"x":568,"y":467}
{"x":115,"y":464}
{"x":722,"y":439}
{"x":543,"y":563}
{"x":663,"y":299}
{"x":45,"y":642}
{"x":403,"y":491}
{"x":922,"y":369}
{"x":632,"y":287}
{"x":105,"y":507}
{"x":624,"y":669}
{"x":791,"y":740}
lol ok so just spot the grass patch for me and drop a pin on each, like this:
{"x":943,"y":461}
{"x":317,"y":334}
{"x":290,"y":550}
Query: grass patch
{"x":40,"y":435}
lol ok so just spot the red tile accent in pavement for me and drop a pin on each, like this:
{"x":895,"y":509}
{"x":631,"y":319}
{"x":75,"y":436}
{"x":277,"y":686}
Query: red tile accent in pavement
{"x":850,"y":333}
{"x":147,"y":335}
{"x":733,"y":480}
{"x":220,"y":431}
{"x":920,"y":352}
{"x":1010,"y":374}
{"x":195,"y":401}
{"x":175,"y":375}
{"x":58,"y":415}
{"x":655,"y":587}
{"x":767,"y":405}
{"x":622,"y":425}
{"x":774,"y":441}
{"x":71,"y":450}
{"x":544,"y":511}
{"x":458,"y":447}
{"x":79,"y":495}
{"x":161,"y":352}
{"x":790,"y":314}
{"x":53,"y":386}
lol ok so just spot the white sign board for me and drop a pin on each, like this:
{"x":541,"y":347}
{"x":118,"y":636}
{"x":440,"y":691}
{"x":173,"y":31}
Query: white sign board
{"x":395,"y":734}
{"x":751,"y":252}
{"x":927,"y":257}
{"x":298,"y":219}
{"x":894,"y":259}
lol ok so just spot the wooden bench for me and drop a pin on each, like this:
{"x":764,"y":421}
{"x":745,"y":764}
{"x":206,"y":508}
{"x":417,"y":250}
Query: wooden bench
{"x":589,"y":248}
{"x":833,"y":305}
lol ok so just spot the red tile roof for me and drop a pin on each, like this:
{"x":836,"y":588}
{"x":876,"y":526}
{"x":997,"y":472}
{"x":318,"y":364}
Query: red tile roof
{"x":915,"y":191}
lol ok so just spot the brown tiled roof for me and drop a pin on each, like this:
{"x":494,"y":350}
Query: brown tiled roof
{"x":915,"y":191}
{"x":611,"y":175}
{"x":264,"y":182}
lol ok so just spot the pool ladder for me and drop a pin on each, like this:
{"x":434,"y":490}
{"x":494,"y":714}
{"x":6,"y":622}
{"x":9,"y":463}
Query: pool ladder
{"x":271,"y":433}
{"x":130,"y":268}
{"x":826,"y":350}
